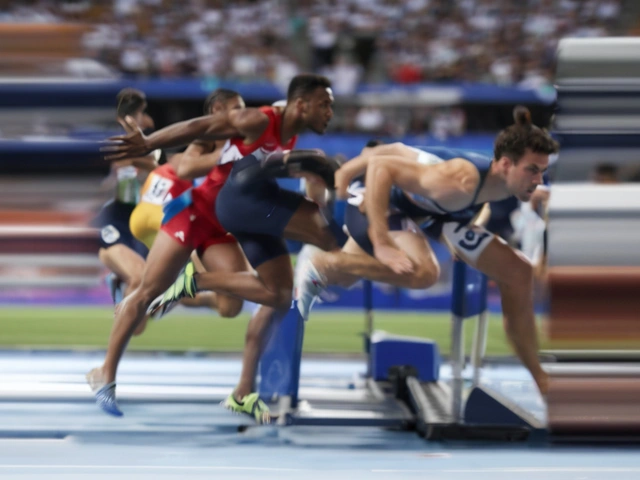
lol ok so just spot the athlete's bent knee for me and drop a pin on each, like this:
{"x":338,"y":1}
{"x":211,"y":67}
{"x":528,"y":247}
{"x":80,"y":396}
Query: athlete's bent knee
{"x":145,"y":294}
{"x":282,"y":298}
{"x":229,"y":307}
{"x":134,"y":282}
{"x":425,"y":277}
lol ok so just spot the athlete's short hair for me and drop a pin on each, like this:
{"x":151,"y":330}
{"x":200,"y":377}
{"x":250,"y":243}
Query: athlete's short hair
{"x":219,"y":95}
{"x":513,"y":141}
{"x":130,"y":101}
{"x":304,"y":84}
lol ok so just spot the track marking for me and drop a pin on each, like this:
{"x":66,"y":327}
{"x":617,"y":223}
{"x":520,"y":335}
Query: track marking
{"x":520,"y":470}
{"x":152,"y":467}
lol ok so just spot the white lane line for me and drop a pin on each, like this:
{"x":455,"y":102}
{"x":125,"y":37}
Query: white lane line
{"x":152,"y":467}
{"x":274,"y":469}
{"x":520,"y":470}
{"x":30,"y":440}
{"x":550,"y":470}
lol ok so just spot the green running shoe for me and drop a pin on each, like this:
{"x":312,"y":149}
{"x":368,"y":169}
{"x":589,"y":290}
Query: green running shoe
{"x":184,"y":286}
{"x":251,"y":405}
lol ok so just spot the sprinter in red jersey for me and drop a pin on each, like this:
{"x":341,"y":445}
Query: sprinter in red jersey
{"x":258,"y":213}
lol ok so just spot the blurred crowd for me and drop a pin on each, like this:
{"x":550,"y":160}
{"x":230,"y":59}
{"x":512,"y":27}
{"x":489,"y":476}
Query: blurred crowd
{"x":505,"y":42}
{"x":495,"y":41}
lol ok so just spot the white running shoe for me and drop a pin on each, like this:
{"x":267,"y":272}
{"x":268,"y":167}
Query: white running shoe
{"x":306,"y":253}
{"x":310,"y":285}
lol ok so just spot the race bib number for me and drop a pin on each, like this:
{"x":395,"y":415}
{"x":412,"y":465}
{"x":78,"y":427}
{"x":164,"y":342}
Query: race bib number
{"x":468,"y":241}
{"x":158,"y":189}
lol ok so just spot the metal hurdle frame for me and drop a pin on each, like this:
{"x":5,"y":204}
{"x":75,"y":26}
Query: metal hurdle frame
{"x":466,"y":282}
{"x":367,"y":287}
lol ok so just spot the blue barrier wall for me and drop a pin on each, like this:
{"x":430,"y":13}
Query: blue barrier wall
{"x":101,"y":93}
{"x":83,"y":153}
{"x":351,"y":144}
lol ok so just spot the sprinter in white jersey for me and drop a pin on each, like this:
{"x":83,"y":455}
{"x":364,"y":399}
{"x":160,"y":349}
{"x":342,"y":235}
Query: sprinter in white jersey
{"x":411,"y":193}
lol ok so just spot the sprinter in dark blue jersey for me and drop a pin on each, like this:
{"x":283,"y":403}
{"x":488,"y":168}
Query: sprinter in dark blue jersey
{"x":412,"y":193}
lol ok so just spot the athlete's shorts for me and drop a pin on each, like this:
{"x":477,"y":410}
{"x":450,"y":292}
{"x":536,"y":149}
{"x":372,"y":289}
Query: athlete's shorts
{"x":145,"y":222}
{"x":186,"y":222}
{"x":467,"y":241}
{"x":256,"y":210}
{"x":113,"y":222}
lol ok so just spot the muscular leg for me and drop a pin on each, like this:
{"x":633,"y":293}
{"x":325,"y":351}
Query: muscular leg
{"x":163,"y":264}
{"x":225,"y":258}
{"x":125,"y":263}
{"x":345,"y":267}
{"x":271,"y":284}
{"x":514,"y":276}
{"x":202,"y":299}
{"x":128,"y":266}
{"x":308,"y":225}
{"x":255,"y":340}
{"x":352,"y":263}
{"x":270,"y":277}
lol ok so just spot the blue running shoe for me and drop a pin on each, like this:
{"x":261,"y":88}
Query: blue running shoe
{"x":106,"y":400}
{"x":115,"y":287}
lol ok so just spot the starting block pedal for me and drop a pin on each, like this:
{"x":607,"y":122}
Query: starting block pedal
{"x":486,"y":407}
{"x":388,"y":351}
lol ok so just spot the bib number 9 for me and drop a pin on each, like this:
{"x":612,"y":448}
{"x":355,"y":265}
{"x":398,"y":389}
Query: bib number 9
{"x":472,"y":239}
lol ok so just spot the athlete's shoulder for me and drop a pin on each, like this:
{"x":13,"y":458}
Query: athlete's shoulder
{"x":443,"y":153}
{"x":251,"y":115}
{"x":250,"y":122}
{"x":447,"y":153}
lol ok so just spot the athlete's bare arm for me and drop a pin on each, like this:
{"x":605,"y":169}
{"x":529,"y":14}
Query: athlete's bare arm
{"x":248,"y":123}
{"x":358,"y":165}
{"x":197,"y":160}
{"x":146,"y":163}
{"x":451,"y":184}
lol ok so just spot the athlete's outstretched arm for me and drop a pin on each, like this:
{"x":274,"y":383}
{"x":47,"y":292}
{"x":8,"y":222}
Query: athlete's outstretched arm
{"x":350,"y":170}
{"x":148,"y":162}
{"x":248,"y":122}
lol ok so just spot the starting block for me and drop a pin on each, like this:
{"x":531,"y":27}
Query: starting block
{"x":451,"y":411}
{"x":388,"y":351}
